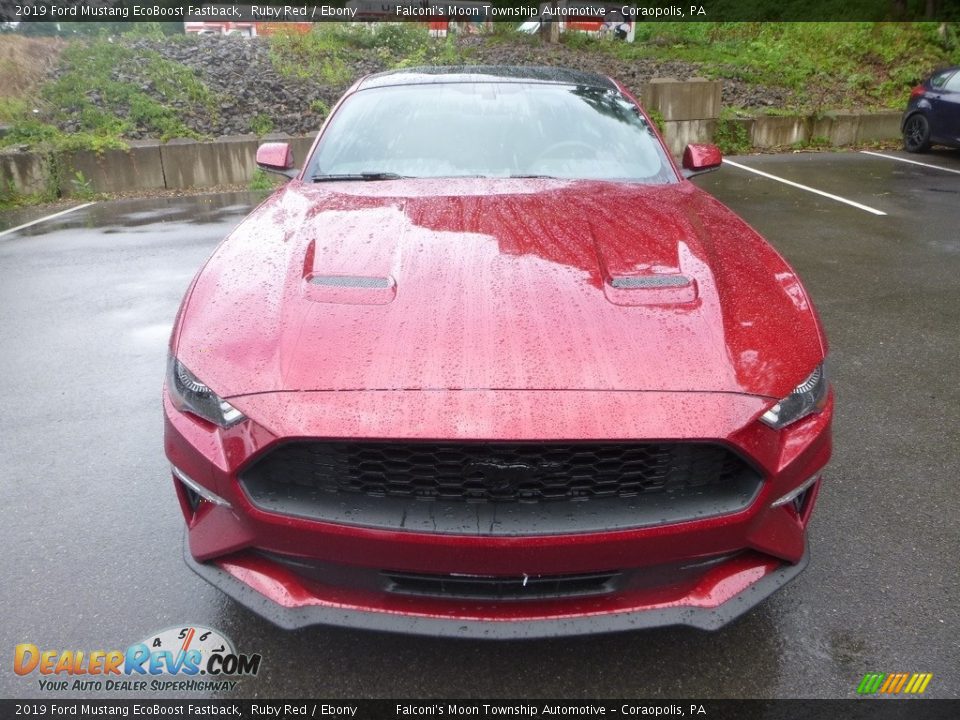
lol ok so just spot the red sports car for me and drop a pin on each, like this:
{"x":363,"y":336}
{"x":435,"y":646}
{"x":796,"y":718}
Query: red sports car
{"x":490,"y":365}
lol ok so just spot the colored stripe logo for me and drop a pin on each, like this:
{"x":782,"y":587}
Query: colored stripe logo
{"x":894,"y":683}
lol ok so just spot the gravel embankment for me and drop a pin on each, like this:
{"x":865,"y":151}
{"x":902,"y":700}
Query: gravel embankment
{"x":247,"y":86}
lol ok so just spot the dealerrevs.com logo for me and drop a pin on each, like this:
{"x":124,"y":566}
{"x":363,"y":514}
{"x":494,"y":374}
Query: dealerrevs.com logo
{"x":176,"y":659}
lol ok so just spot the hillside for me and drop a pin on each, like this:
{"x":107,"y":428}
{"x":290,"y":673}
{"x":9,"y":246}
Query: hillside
{"x":101,"y":92}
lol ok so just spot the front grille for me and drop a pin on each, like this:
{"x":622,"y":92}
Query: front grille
{"x":499,"y":472}
{"x":482,"y":587}
{"x":481,"y":488}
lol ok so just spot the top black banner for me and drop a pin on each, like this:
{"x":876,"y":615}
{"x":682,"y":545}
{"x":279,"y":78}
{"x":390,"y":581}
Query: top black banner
{"x":477,"y":11}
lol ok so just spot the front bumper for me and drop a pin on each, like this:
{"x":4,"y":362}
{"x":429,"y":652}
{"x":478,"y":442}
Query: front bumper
{"x":706,"y":571}
{"x":317,"y":612}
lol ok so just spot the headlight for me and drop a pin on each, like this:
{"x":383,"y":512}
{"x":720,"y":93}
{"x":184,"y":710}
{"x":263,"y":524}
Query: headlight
{"x":808,"y":397}
{"x":190,"y":395}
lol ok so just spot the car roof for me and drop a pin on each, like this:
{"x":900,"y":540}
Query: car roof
{"x":950,"y":69}
{"x":484,"y":74}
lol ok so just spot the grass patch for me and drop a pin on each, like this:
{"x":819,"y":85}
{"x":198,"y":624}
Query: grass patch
{"x":817,"y":142}
{"x":261,"y":124}
{"x":657,"y":117}
{"x":319,"y":107}
{"x":330,"y":52}
{"x":53,"y":183}
{"x":263,"y":180}
{"x":867,"y":64}
{"x":106,"y":71}
{"x":731,"y":136}
{"x":9,"y":198}
{"x":107,"y":91}
{"x":319,"y":55}
{"x":13,"y":110}
{"x":82,"y":186}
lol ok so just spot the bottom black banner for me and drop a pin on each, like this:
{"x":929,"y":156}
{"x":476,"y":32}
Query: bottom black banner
{"x":865,"y":708}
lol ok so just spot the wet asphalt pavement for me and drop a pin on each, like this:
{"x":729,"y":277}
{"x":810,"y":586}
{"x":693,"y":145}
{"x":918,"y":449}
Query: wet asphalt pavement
{"x":92,"y":533}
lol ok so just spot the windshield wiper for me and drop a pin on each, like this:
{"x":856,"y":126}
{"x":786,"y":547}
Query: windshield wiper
{"x":533,"y":177}
{"x":358,"y":176}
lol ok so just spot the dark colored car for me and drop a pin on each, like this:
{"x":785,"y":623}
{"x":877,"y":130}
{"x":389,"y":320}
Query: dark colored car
{"x":490,"y":365}
{"x":932,"y":116}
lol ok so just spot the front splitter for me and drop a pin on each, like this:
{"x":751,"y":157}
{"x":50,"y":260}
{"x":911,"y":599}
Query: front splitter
{"x":294,"y":618}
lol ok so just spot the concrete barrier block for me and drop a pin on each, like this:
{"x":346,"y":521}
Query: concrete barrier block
{"x":112,"y":171}
{"x":695,"y":99}
{"x":820,"y":126}
{"x":879,"y":126}
{"x":226,"y":161}
{"x":680,"y":133}
{"x":843,"y":128}
{"x":301,"y":148}
{"x":23,"y":173}
{"x":776,"y":131}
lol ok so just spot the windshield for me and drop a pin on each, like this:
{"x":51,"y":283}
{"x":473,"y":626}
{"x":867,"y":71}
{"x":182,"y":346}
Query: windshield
{"x":491,"y":130}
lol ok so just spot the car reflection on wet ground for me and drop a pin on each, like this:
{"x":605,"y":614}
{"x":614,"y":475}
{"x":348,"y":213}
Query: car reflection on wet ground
{"x":93,"y":533}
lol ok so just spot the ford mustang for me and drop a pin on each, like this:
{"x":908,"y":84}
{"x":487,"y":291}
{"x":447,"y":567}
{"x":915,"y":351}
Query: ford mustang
{"x":490,"y":365}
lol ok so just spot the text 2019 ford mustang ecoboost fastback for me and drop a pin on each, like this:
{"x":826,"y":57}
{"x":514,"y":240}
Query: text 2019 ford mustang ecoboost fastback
{"x":489,"y":365}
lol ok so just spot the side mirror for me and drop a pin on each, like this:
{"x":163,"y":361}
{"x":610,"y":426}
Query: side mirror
{"x":276,"y":157}
{"x":699,"y":159}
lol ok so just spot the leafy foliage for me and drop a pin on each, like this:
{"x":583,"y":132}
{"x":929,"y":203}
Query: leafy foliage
{"x":331,"y":51}
{"x":657,"y":117}
{"x":731,"y":136}
{"x":871,"y":64}
{"x":262,"y":180}
{"x":97,"y":70}
{"x":261,"y":124}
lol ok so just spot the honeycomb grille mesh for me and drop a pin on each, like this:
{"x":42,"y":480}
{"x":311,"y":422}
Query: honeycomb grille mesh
{"x":497,"y":472}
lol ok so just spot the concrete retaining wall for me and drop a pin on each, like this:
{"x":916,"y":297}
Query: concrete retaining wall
{"x":146,"y":165}
{"x":695,"y":99}
{"x":139,"y":167}
{"x":680,"y":133}
{"x":835,"y":128}
{"x":24,"y":173}
{"x":690,"y":111}
{"x":879,"y":126}
{"x":192,"y":164}
{"x":771,"y":131}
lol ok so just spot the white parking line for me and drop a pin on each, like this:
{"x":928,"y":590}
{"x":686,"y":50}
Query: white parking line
{"x":791,"y":183}
{"x":912,"y":162}
{"x":44,"y":219}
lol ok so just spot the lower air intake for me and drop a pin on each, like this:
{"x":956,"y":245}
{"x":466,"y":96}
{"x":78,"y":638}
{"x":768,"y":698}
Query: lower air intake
{"x":479,"y":587}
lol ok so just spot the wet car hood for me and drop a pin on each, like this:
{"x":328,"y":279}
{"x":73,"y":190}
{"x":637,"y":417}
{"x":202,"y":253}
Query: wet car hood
{"x":496,"y":285}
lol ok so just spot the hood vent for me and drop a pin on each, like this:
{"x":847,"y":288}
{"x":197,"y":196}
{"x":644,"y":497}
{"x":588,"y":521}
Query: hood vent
{"x":350,"y":289}
{"x":352,"y":281}
{"x":650,"y":281}
{"x":664,"y":289}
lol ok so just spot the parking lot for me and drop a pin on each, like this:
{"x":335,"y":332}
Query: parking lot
{"x":92,"y":532}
